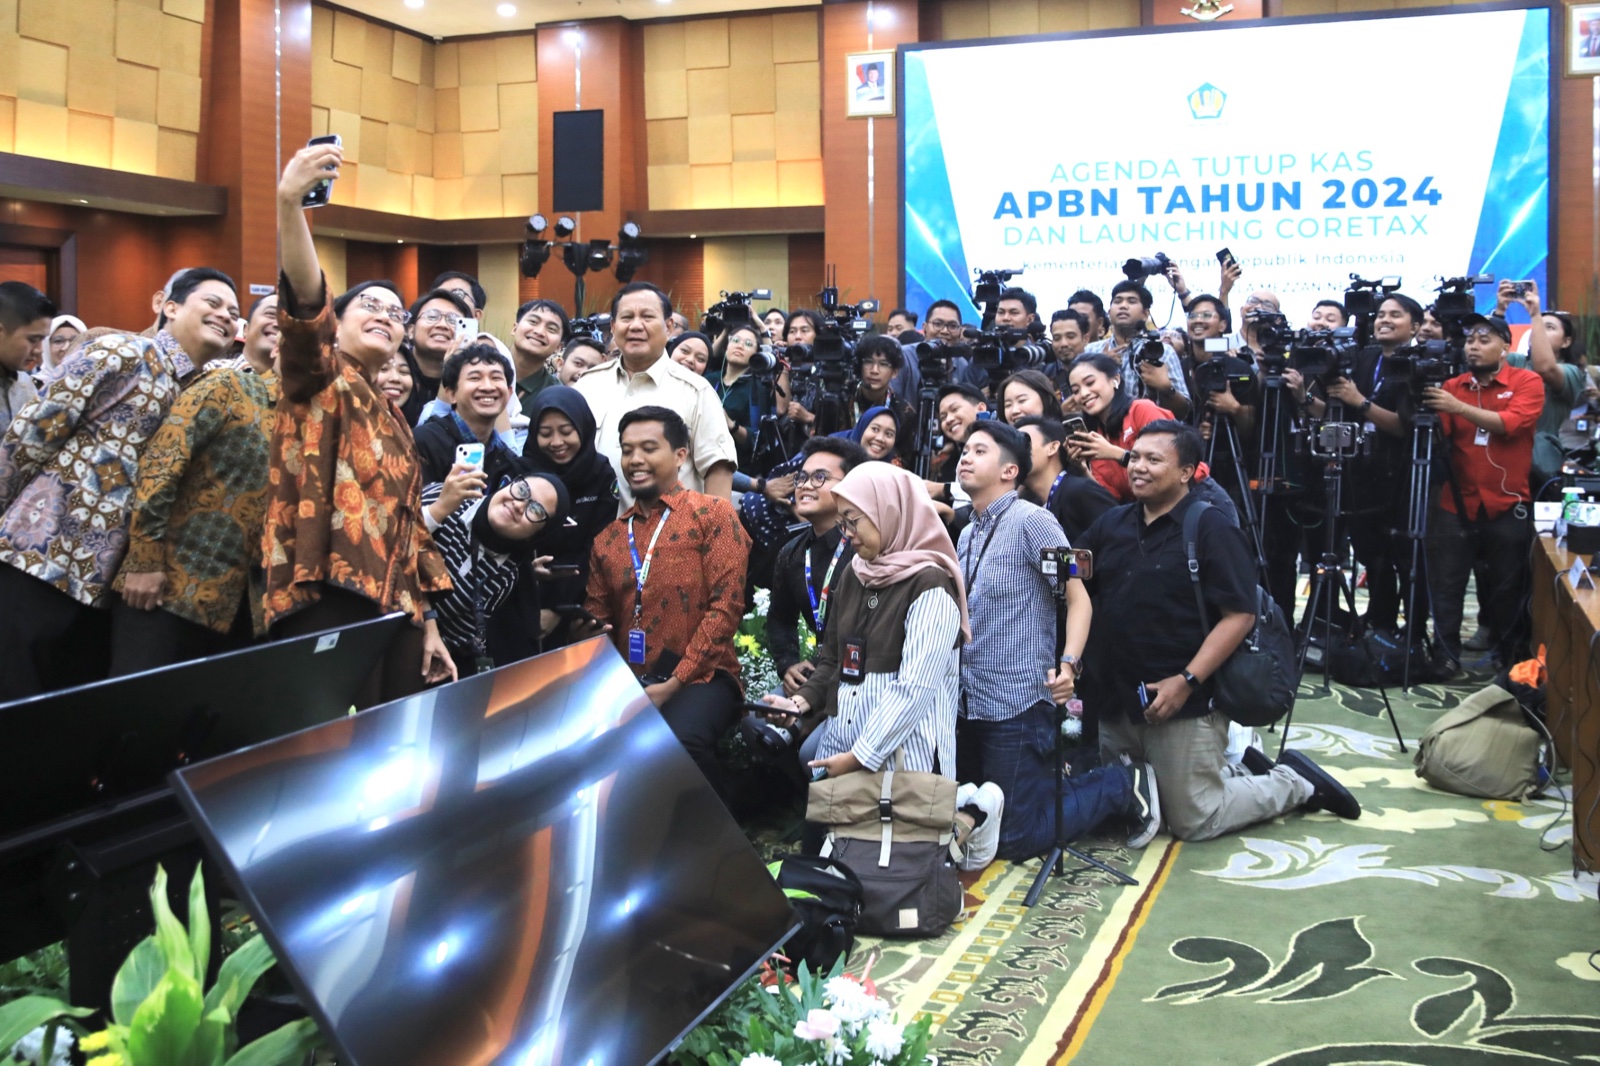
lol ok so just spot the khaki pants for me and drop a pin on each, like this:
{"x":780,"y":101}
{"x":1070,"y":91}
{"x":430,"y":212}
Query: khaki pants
{"x":1202,"y":796}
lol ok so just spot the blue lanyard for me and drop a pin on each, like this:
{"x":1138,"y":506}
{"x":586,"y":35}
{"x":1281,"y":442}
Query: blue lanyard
{"x":819,"y":608}
{"x":641,"y":570}
{"x":1055,"y":486}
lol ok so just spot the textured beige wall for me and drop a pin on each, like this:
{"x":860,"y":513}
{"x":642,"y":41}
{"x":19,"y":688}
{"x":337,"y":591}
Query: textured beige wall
{"x":741,"y":264}
{"x":965,"y":19}
{"x":441,"y":131}
{"x":105,"y":83}
{"x":733,"y":108}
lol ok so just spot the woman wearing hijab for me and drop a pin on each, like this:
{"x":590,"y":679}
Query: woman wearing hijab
{"x":878,"y":431}
{"x":64,"y":333}
{"x":561,"y":442}
{"x":888,"y":671}
{"x":487,"y":540}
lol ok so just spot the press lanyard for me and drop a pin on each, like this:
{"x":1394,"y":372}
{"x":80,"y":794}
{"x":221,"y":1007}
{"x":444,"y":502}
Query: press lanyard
{"x":641,"y":571}
{"x":973,"y":574}
{"x":819,"y":608}
{"x":1055,"y":487}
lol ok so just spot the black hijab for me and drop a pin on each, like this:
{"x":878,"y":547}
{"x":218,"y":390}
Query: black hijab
{"x":583,"y":468}
{"x":522,"y":548}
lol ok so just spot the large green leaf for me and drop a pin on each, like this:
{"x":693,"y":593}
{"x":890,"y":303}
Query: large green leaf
{"x":209,"y":1040}
{"x":285,"y":1046}
{"x":199,"y":925}
{"x":239,"y":973}
{"x":170,"y":934}
{"x":138,"y":976}
{"x":164,"y":1025}
{"x":22,"y":1016}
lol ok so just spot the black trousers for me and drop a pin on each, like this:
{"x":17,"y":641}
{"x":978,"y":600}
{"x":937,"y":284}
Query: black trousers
{"x":698,"y":716}
{"x":1281,"y":543}
{"x":1501,"y":545}
{"x":48,"y":640}
{"x":1378,"y":538}
{"x":146,"y":640}
{"x":397,"y":675}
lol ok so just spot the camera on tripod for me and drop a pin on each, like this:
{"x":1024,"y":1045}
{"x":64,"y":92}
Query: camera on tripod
{"x":1325,"y":354}
{"x":1272,"y":331}
{"x":1139,"y":269}
{"x":1363,"y":298}
{"x":595,"y":327}
{"x":733,"y":310}
{"x":990,"y":283}
{"x":1213,"y":375}
{"x":1456,"y":301}
{"x":1425,"y":364}
{"x":1007,"y":350}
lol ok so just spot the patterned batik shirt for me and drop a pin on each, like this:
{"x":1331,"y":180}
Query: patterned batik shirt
{"x":69,"y":462}
{"x":694,"y":593}
{"x":202,"y":494}
{"x":344,"y":486}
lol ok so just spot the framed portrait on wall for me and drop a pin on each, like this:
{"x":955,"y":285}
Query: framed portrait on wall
{"x":869,"y":92}
{"x":1583,"y":40}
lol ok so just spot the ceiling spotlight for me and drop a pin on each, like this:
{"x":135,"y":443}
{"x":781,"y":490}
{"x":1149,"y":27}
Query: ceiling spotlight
{"x":413,"y":4}
{"x":599,"y":254}
{"x":576,"y":257}
{"x":534,"y":256}
{"x":505,"y":11}
{"x":628,"y":232}
{"x":536,"y":223}
{"x":565,"y":227}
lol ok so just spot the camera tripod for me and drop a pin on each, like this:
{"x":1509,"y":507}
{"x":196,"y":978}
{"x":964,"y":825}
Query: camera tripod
{"x":1335,"y":449}
{"x":927,"y":427}
{"x":1423,"y":434}
{"x":1250,"y":520}
{"x":1054,"y":861}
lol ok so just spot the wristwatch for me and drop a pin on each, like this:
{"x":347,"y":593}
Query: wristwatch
{"x":1366,"y":405}
{"x":1073,"y":661}
{"x":1194,"y":682}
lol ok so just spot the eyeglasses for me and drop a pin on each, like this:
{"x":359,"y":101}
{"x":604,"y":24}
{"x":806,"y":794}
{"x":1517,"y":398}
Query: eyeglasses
{"x":943,"y":324}
{"x":818,"y":478}
{"x":848,"y":524}
{"x":434,"y":315}
{"x":1202,"y":316}
{"x":374,"y":306}
{"x":532,"y":509}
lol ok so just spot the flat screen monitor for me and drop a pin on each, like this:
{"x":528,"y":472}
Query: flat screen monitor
{"x":523,"y":867}
{"x":1252,"y":138}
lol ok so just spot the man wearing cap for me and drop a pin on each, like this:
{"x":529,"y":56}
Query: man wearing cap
{"x":1487,"y":415}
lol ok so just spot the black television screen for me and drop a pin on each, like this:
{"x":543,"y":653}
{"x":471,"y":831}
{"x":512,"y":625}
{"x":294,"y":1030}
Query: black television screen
{"x":578,"y":144}
{"x":522,"y":867}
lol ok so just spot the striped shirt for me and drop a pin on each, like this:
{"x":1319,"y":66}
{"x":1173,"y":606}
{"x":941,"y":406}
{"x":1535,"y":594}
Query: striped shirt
{"x":474,"y":571}
{"x":1131,"y":380}
{"x":1012,"y":607}
{"x":912,"y":710}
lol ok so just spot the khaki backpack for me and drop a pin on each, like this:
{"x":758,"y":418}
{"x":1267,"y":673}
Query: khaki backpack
{"x":1484,"y":747}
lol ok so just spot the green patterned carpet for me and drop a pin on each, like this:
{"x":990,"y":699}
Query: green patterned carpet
{"x":1434,"y":930}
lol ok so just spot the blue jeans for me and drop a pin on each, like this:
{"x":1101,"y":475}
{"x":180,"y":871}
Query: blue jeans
{"x":1018,"y":754}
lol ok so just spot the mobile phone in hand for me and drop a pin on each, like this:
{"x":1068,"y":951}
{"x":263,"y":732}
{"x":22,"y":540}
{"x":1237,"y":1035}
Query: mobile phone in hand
{"x":322,"y":191}
{"x":564,"y":569}
{"x":1075,"y":424}
{"x":574,"y":611}
{"x":470,"y":455}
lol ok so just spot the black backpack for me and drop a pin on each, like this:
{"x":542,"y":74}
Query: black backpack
{"x":1256,"y":685}
{"x":1377,"y":659}
{"x":827,"y":898}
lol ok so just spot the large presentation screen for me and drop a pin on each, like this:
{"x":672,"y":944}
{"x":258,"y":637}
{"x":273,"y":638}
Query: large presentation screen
{"x":1415,"y":146}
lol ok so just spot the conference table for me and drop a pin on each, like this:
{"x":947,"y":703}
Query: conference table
{"x":1566,"y":621}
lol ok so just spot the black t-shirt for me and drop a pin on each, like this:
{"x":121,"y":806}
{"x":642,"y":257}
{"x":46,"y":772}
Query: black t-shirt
{"x":1248,"y":394}
{"x":1076,"y":502}
{"x":424,"y":390}
{"x":1379,"y":475}
{"x":1145,"y":627}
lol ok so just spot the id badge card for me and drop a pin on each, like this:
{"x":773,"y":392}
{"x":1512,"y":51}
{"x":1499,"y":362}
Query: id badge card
{"x":852,"y":660}
{"x":636,"y":647}
{"x":1481,"y":437}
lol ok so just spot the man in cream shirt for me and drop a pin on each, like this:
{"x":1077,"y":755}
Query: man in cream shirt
{"x":640,"y":322}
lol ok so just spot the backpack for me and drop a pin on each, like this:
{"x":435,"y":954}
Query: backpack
{"x":827,"y":898}
{"x":1483,"y":747}
{"x":1256,"y":685}
{"x":1377,"y":659}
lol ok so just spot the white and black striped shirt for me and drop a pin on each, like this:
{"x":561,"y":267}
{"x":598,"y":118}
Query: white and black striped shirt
{"x":913,"y":709}
{"x":474,"y":571}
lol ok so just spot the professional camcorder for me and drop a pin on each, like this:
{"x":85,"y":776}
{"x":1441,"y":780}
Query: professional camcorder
{"x":734,"y":310}
{"x":596,"y":327}
{"x":1006,"y":351}
{"x":1139,"y":269}
{"x":1363,"y":297}
{"x":1148,"y":347}
{"x":1271,"y":329}
{"x":1456,"y":301}
{"x":1325,"y":353}
{"x":1424,"y":364}
{"x":1213,"y":375}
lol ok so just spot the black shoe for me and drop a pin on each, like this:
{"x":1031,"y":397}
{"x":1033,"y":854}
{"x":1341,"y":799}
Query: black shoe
{"x":1327,"y":794}
{"x":1257,"y":761}
{"x":1145,"y":803}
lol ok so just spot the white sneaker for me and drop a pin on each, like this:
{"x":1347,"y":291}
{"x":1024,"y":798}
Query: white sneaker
{"x":984,"y":840}
{"x":1240,"y":737}
{"x":964,"y":794}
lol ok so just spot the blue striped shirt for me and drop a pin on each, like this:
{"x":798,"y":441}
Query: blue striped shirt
{"x":1012,"y":608}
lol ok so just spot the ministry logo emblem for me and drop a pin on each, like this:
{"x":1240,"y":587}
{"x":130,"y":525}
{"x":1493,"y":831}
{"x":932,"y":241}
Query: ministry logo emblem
{"x":1207,"y":101}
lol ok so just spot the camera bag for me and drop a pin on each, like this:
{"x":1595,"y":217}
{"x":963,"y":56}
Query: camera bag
{"x":827,"y":897}
{"x":1482,"y":747}
{"x":1256,"y":685}
{"x":896,"y":830}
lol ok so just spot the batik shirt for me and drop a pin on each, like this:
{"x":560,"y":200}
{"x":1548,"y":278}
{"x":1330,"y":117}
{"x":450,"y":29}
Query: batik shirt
{"x":201,"y":496}
{"x":69,"y":462}
{"x":693,"y":598}
{"x":344,"y":485}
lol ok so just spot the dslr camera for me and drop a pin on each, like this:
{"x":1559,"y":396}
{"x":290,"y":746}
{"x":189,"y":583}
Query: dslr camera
{"x":767,"y":740}
{"x":1139,"y":269}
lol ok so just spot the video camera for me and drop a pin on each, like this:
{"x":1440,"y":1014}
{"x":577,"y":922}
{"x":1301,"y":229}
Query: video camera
{"x":1008,"y":350}
{"x":1139,"y":269}
{"x":1363,"y":297}
{"x":1325,"y":353}
{"x":1456,"y":301}
{"x":733,"y":310}
{"x":1148,"y":347}
{"x":1213,"y":375}
{"x":1425,"y":364}
{"x":595,"y":327}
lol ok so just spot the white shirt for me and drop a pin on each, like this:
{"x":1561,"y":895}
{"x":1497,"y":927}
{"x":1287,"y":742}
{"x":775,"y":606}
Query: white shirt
{"x":612,"y":392}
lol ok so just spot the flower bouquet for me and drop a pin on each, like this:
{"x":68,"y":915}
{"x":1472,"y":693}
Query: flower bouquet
{"x":805,"y":1020}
